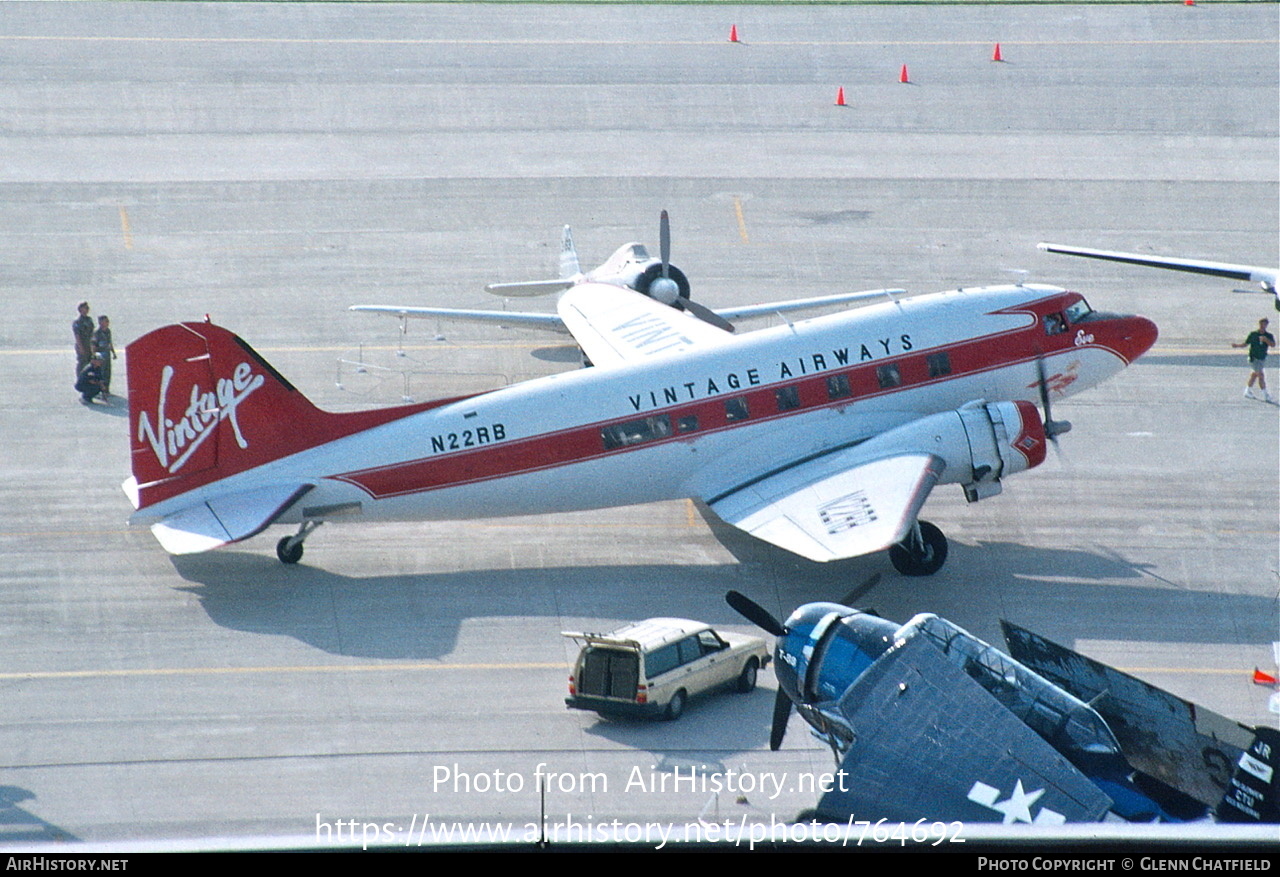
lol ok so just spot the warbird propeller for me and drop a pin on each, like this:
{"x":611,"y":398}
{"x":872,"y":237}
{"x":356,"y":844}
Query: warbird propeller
{"x":823,"y":436}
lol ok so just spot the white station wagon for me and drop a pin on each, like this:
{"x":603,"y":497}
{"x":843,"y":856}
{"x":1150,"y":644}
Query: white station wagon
{"x":652,"y":668}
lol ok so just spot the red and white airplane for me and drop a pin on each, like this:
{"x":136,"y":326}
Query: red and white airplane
{"x":822,"y":436}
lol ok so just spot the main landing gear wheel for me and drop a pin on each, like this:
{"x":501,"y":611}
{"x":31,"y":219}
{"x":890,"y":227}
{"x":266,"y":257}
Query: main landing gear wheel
{"x":922,"y":553}
{"x":289,"y":548}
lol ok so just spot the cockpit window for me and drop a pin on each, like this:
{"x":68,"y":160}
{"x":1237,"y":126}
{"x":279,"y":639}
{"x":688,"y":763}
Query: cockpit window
{"x":1078,"y":311}
{"x":1054,"y":324}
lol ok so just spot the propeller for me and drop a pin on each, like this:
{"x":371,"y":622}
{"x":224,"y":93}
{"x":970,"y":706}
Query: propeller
{"x":755,"y":613}
{"x":663,"y":288}
{"x":666,"y":290}
{"x":781,"y":716}
{"x":1052,"y":428}
{"x":762,"y":618}
{"x":857,"y":593}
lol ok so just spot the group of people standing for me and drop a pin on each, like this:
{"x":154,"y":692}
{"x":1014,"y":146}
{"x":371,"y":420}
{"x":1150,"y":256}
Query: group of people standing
{"x":94,"y":353}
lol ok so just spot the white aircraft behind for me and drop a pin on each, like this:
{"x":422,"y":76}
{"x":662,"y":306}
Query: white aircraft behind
{"x":1264,"y":277}
{"x":823,"y":437}
{"x":630,"y":267}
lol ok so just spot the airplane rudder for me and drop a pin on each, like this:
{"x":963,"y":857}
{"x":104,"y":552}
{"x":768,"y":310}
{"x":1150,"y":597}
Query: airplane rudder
{"x":203,"y":404}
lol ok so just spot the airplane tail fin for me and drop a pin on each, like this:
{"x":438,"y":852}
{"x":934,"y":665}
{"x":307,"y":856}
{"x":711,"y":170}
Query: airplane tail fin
{"x":1252,"y":793}
{"x":568,"y":256}
{"x":204,"y":406}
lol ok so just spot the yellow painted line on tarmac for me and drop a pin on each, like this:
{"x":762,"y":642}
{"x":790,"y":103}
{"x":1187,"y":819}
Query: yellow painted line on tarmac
{"x":304,"y":668}
{"x":569,"y":41}
{"x":124,"y":228}
{"x":151,"y":672}
{"x":742,"y":220}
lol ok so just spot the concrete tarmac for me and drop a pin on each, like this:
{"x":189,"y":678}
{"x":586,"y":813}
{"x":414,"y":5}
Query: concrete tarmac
{"x":270,"y":165}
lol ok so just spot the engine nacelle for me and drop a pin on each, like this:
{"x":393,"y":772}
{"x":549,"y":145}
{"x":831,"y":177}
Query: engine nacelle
{"x":979,"y":443}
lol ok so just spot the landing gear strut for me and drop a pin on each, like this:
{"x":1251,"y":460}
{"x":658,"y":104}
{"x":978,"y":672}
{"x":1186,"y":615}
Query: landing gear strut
{"x":289,"y":548}
{"x":922,"y":553}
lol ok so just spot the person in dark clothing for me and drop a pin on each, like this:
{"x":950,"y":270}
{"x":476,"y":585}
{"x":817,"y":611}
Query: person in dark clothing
{"x":90,"y":383}
{"x":102,"y":344}
{"x":82,"y":331}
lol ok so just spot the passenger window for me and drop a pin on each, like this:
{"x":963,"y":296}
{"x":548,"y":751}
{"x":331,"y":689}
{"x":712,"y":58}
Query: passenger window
{"x":633,"y":432}
{"x":688,"y":423}
{"x":788,"y":397}
{"x":939,"y":365}
{"x":690,"y":650}
{"x":888,"y":376}
{"x":735,"y":409}
{"x":1055,"y":324}
{"x":661,"y":660}
{"x":838,"y":387}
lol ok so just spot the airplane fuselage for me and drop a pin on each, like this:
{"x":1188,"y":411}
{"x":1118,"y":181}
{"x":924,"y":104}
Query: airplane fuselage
{"x":681,"y":426}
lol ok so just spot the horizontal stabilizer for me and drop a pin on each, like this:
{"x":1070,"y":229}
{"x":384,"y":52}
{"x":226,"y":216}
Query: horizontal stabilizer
{"x":226,"y":518}
{"x":834,"y":507}
{"x":501,"y":318}
{"x":529,"y":288}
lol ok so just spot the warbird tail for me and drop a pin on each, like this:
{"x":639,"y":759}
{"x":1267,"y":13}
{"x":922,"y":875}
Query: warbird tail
{"x":1252,"y":793}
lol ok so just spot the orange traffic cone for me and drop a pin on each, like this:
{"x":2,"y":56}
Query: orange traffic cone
{"x":733,"y":33}
{"x":1260,"y":678}
{"x":902,"y":76}
{"x":996,"y":56}
{"x":840,"y":97}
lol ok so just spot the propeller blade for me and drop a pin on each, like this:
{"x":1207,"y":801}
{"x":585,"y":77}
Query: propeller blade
{"x":664,"y":241}
{"x":704,"y":313}
{"x":781,"y":716}
{"x":851,"y":598}
{"x":755,"y":613}
{"x":1052,"y":428}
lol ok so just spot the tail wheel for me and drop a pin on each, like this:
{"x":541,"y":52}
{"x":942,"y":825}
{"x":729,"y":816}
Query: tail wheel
{"x":922,"y":553}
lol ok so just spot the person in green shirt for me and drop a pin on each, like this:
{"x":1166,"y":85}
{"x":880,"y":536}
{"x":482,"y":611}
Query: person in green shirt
{"x":1258,"y":342}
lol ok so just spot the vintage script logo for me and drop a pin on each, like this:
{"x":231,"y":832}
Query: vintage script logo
{"x":1083,"y":338}
{"x":172,"y":442}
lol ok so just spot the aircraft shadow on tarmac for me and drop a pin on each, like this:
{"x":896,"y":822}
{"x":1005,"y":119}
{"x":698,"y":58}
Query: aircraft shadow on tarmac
{"x":417,"y":616}
{"x":18,"y":826}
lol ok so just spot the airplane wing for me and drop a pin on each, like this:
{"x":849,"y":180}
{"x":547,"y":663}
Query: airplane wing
{"x":228,"y":518}
{"x":836,"y":506}
{"x":799,"y":304}
{"x":613,"y":325}
{"x":502,"y":318}
{"x":1265,"y":276}
{"x":930,"y":742}
{"x":1185,"y":746}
